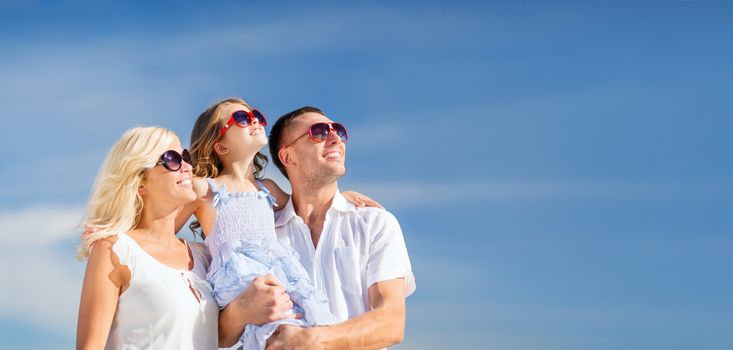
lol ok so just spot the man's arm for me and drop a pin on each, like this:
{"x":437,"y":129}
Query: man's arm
{"x":262,"y":302}
{"x":378,"y":328}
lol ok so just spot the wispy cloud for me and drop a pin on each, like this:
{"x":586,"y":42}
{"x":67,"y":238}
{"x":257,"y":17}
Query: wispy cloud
{"x":39,"y":225}
{"x":421,"y":194}
{"x":42,"y":278}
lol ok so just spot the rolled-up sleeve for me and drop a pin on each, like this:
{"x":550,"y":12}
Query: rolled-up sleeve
{"x":388,"y":258}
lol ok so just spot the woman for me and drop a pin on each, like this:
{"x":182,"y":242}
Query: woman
{"x":143,"y":287}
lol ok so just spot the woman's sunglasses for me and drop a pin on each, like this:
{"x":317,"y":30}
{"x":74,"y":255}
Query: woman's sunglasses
{"x":242,"y":119}
{"x":173,"y":160}
{"x":319,"y":132}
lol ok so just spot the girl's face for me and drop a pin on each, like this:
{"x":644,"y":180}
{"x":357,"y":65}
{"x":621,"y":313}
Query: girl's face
{"x":250,"y":138}
{"x":165,"y":186}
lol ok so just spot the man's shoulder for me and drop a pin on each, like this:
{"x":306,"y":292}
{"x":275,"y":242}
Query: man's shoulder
{"x":375,"y":217}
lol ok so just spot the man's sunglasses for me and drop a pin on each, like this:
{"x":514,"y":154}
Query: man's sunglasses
{"x":319,"y":132}
{"x":242,"y":119}
{"x":173,"y":160}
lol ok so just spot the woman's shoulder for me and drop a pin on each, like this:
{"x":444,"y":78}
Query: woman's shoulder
{"x":116,"y":249}
{"x":105,"y":243}
{"x":276,"y":192}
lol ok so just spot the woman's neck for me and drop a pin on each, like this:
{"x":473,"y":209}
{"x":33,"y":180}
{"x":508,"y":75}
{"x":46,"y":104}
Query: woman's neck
{"x":158,"y":224}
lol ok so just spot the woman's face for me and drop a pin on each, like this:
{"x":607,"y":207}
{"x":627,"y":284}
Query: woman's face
{"x":164,"y":186}
{"x":249,"y":138}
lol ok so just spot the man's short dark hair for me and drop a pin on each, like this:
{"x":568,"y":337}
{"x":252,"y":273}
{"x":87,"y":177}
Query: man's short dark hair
{"x":278,"y":129}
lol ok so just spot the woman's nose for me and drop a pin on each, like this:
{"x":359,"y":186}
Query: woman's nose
{"x":186,"y":167}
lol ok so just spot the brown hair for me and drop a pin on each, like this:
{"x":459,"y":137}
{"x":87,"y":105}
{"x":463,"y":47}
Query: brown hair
{"x":278,"y":130}
{"x":206,"y":163}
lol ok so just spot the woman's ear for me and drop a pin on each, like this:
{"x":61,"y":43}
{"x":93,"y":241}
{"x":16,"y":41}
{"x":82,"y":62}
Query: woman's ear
{"x":141,"y":190}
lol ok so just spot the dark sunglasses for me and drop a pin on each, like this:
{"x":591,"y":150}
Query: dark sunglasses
{"x":173,"y":160}
{"x":242,"y":119}
{"x":319,"y":132}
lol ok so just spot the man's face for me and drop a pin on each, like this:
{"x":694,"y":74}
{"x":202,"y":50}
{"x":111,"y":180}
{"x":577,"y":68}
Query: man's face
{"x":314,"y":162}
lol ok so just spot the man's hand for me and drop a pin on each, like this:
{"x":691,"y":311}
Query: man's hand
{"x":292,"y":338}
{"x":378,"y":328}
{"x":265,"y":300}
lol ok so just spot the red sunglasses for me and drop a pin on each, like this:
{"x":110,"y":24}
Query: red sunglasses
{"x":319,"y":132}
{"x":242,"y":119}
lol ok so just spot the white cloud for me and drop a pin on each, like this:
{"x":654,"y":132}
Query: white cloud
{"x":41,"y":286}
{"x":421,"y":194}
{"x":41,"y":276}
{"x":39,"y":226}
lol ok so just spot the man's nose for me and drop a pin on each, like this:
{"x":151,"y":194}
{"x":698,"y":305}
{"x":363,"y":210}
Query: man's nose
{"x":333,"y":137}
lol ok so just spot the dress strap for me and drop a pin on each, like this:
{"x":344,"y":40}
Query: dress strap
{"x":126,"y":250}
{"x":265,"y":193}
{"x":221,"y":195}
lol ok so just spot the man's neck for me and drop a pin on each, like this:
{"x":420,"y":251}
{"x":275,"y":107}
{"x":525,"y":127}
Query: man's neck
{"x":311,"y":204}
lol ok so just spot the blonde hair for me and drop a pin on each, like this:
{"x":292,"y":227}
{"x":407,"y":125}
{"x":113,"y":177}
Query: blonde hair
{"x":115,"y":205}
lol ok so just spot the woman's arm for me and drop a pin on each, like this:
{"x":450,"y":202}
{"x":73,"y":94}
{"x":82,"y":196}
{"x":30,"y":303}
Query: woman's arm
{"x":104,"y":280}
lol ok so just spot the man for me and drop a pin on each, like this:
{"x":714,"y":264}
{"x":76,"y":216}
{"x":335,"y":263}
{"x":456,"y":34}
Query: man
{"x":355,"y":256}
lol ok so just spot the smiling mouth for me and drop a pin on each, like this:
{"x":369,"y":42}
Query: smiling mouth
{"x":184,"y":182}
{"x":332,"y":155}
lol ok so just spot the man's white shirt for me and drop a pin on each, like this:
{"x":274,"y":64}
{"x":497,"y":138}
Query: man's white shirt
{"x":357,"y":248}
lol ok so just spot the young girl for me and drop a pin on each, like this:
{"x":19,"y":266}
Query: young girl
{"x":235,"y":213}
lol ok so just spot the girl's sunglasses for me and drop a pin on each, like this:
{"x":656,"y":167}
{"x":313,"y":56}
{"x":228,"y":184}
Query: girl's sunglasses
{"x":173,"y":160}
{"x":242,"y":119}
{"x":319,"y":132}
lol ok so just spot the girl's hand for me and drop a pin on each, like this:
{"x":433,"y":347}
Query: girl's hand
{"x":89,"y":229}
{"x":360,"y":200}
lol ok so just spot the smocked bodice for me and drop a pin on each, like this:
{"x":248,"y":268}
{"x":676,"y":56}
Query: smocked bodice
{"x":239,"y":216}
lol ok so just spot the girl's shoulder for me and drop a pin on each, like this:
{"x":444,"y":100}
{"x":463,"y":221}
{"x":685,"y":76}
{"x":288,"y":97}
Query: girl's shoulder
{"x":274,"y":190}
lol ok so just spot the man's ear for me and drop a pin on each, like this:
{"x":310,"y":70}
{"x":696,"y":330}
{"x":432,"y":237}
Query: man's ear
{"x":220,"y":149}
{"x":286,"y":157}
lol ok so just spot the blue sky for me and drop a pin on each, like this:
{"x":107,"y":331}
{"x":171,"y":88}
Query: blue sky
{"x":561,"y":170}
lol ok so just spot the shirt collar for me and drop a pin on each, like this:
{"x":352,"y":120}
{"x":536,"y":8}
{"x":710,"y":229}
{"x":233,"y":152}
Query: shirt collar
{"x":339,"y":203}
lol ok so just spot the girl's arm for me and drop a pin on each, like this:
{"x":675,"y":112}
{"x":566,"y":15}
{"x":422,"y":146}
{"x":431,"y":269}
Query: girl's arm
{"x":201,"y":187}
{"x":185,"y":213}
{"x":360,"y":200}
{"x":104,"y":280}
{"x":281,"y":197}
